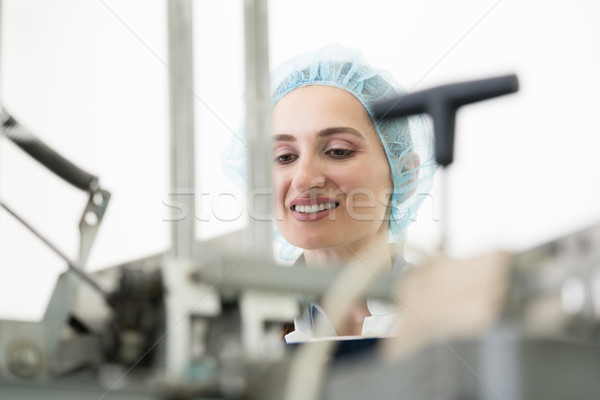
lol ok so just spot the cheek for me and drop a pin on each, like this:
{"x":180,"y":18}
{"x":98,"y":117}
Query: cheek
{"x":346,"y":177}
{"x":366,"y":187}
{"x":362,"y":178}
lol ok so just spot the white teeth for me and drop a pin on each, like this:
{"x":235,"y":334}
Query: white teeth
{"x":310,"y":209}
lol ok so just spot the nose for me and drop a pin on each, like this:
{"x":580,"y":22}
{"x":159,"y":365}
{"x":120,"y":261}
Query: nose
{"x":308,"y":174}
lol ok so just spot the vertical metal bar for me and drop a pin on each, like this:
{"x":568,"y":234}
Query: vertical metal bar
{"x":181,"y":85}
{"x":260,"y":228}
{"x":444,"y":210}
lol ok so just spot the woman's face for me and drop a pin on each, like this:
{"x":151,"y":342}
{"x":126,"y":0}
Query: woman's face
{"x":331,"y":177}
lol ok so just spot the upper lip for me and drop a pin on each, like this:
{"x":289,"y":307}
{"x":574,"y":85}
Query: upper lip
{"x":311,"y":200}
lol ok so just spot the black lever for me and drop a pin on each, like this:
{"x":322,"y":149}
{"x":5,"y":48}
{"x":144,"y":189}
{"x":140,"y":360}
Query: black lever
{"x":49,"y":158}
{"x":441,"y":103}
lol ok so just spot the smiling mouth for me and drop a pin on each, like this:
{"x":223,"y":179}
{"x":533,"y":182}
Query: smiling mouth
{"x":314,"y":208}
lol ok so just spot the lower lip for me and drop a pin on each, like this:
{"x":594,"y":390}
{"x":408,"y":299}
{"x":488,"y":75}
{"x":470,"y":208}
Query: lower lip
{"x":312,"y":216}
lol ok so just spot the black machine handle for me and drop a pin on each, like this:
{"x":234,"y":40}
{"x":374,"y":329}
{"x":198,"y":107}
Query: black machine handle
{"x":441,"y":103}
{"x":45,"y":155}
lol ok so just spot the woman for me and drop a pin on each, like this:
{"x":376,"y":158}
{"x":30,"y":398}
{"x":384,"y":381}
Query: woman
{"x":346,"y":185}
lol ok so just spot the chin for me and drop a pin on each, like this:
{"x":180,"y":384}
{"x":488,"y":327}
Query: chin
{"x":324,"y":237}
{"x":315,"y":242}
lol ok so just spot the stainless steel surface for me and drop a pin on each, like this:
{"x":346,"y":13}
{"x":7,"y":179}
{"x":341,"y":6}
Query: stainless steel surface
{"x":497,"y":367}
{"x":267,"y":276}
{"x":182,"y":158}
{"x":258,"y":138}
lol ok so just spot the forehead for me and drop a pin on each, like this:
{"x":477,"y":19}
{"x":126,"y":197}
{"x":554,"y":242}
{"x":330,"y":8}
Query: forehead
{"x":313,"y":108}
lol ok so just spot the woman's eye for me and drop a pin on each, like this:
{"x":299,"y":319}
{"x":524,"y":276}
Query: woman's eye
{"x":340,"y":153}
{"x":285,"y":158}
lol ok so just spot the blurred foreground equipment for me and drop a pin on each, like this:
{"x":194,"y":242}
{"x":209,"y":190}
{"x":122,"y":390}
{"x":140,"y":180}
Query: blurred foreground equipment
{"x":525,"y":326}
{"x":205,"y":325}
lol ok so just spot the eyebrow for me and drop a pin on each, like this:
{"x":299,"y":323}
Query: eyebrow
{"x":322,"y":133}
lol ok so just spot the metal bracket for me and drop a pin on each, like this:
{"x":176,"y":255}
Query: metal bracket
{"x":90,"y":221}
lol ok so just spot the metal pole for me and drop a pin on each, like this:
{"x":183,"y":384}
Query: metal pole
{"x":260,"y":229}
{"x":181,"y":85}
{"x":444,"y":210}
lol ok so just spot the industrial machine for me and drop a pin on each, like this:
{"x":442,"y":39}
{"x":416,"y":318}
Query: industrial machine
{"x":201,"y":320}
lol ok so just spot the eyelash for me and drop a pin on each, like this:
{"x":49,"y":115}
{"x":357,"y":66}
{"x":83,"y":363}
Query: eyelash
{"x":279,"y":159}
{"x":346,"y":153}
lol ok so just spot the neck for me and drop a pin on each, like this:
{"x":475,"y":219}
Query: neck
{"x":369,"y":251}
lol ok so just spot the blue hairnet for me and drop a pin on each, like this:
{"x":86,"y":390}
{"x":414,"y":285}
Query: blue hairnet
{"x":408,"y":142}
